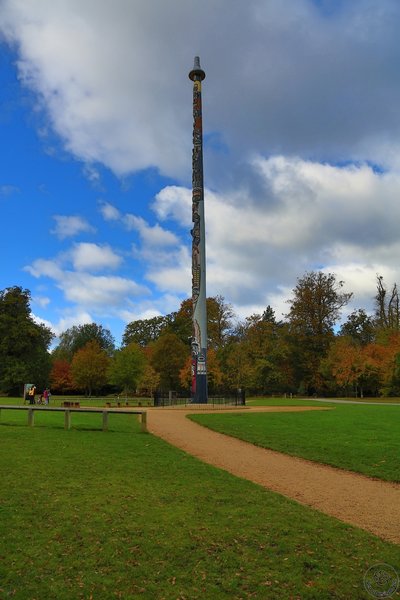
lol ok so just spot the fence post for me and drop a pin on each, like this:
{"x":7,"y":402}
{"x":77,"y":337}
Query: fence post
{"x":105,"y":420}
{"x":31,"y":420}
{"x":144,"y":421}
{"x":67,"y":419}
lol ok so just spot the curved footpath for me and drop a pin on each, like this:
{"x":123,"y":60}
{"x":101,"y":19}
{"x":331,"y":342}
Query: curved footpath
{"x":371,"y":504}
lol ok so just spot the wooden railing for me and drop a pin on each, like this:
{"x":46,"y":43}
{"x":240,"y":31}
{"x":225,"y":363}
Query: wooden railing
{"x":31,"y":409}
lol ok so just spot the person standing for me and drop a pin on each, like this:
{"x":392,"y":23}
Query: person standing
{"x":46,"y":396}
{"x":31,"y":395}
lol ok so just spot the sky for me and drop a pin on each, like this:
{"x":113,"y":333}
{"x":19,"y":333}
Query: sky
{"x":301,"y":118}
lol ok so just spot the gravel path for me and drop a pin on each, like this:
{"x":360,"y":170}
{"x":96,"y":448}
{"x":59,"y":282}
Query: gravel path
{"x":368,"y":503}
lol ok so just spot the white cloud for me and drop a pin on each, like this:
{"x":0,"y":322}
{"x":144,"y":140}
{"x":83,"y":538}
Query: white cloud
{"x":174,"y":202}
{"x":70,"y":226}
{"x":282,"y":77}
{"x":104,"y":294}
{"x":8,"y":190}
{"x":99,"y":291}
{"x":109,"y":212}
{"x":312,"y":216}
{"x":151,"y":236}
{"x":68,"y":320}
{"x":42,"y":301}
{"x":92,"y":257}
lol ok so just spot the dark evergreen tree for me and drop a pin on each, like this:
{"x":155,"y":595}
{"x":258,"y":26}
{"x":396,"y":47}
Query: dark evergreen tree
{"x":24,"y":356}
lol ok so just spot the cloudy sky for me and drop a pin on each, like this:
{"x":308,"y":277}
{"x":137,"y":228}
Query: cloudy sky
{"x":301,"y":115}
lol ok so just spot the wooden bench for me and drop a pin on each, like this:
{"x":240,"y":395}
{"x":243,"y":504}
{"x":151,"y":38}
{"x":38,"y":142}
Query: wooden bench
{"x":68,"y":410}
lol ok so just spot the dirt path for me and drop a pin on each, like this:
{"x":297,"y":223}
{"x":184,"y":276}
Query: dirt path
{"x":367,"y":503}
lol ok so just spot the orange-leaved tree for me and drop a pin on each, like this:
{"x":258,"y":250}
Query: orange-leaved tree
{"x":61,"y":377}
{"x":89,"y":367}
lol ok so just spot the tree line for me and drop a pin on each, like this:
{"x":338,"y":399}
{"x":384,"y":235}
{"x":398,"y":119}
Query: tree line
{"x":306,"y":352}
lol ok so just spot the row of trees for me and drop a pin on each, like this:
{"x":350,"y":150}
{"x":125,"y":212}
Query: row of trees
{"x":303,"y":353}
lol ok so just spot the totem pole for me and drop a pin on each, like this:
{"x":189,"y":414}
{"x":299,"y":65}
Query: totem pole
{"x":199,"y":339}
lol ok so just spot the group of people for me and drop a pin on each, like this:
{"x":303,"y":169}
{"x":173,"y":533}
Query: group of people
{"x":44,"y":397}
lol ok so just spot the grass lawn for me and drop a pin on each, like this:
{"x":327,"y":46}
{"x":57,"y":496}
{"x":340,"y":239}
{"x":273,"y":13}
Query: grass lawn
{"x":260,"y":401}
{"x":91,"y":515}
{"x":359,"y":438}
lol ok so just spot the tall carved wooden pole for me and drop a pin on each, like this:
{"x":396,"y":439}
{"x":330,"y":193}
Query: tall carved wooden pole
{"x":199,"y":339}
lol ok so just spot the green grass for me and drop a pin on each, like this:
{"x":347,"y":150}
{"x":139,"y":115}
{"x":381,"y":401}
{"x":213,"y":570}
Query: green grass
{"x":280,"y":401}
{"x":283,"y":402}
{"x":365,"y":439}
{"x":87,"y":514}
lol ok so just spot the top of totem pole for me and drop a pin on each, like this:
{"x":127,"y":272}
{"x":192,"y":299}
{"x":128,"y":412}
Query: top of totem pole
{"x":197,"y":72}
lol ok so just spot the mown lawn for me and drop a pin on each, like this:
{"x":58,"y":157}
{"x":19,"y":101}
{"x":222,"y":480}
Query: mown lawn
{"x":360,"y":438}
{"x":86,"y":514}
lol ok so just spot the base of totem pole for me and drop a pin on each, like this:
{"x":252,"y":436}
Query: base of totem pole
{"x":200,"y":396}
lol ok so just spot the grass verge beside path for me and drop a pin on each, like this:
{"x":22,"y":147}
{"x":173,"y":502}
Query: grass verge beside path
{"x":360,"y":438}
{"x":87,"y":514}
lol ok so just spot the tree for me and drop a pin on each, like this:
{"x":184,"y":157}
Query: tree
{"x":60,"y":376}
{"x":347,"y":363}
{"x":314,"y":310}
{"x":127,"y":367}
{"x":145,"y":331}
{"x":260,"y":355}
{"x":76,"y":337}
{"x":89,"y":367}
{"x":24,"y":343}
{"x":387,"y":307}
{"x":220,"y":316}
{"x":359,"y":327}
{"x":219,"y":321}
{"x":169,"y":354}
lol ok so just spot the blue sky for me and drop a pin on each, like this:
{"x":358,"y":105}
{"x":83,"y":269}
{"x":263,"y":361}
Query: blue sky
{"x":302,"y":151}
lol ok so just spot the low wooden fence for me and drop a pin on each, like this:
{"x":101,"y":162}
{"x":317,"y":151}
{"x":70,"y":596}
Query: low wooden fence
{"x":31,"y":409}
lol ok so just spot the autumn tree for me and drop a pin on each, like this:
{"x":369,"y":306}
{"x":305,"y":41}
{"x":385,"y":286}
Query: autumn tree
{"x":24,"y":343}
{"x":347,"y":364}
{"x":89,"y":367}
{"x":127,"y":367}
{"x":258,"y":358}
{"x":76,"y":337}
{"x":61,"y":377}
{"x":314,"y":310}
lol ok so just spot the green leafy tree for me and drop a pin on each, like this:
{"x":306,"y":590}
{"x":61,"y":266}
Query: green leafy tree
{"x":169,"y":354}
{"x":145,"y":331}
{"x":360,"y":327}
{"x":76,"y":337}
{"x":220,"y":317}
{"x":219,"y":321}
{"x":259,"y":358}
{"x":89,"y":367}
{"x":127,"y":367}
{"x":24,"y":343}
{"x":314,"y":310}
